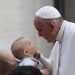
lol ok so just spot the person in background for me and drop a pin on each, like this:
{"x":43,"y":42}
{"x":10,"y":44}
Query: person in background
{"x":7,"y":62}
{"x":24,"y":49}
{"x":25,"y":70}
{"x":51,"y":25}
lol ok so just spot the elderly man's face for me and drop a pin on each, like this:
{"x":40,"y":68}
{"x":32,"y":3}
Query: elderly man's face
{"x":45,"y":30}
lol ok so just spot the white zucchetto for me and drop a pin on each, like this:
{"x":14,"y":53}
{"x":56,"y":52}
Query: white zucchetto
{"x":48,"y":12}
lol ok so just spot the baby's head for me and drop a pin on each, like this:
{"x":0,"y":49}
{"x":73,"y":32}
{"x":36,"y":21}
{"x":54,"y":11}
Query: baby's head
{"x":23,"y":47}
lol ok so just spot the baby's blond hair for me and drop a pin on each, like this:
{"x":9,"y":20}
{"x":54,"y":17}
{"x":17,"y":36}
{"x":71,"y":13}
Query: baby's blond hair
{"x":19,"y":45}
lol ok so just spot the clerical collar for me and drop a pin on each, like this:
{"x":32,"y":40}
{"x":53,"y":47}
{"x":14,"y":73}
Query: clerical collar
{"x":61,"y":31}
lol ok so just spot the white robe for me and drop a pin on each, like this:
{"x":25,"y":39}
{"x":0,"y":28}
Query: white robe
{"x":29,"y":61}
{"x":66,"y":36}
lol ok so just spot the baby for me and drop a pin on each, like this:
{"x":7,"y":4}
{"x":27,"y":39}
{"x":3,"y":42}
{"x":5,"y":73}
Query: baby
{"x":24,"y":49}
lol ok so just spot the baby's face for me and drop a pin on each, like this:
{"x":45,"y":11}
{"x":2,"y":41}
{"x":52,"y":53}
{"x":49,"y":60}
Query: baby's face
{"x":30,"y":48}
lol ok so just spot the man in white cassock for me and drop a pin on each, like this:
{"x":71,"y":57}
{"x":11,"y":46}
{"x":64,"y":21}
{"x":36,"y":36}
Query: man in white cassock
{"x":50,"y":25}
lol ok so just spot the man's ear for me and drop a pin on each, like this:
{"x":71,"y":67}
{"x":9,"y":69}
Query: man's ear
{"x":51,"y":25}
{"x":54,"y":27}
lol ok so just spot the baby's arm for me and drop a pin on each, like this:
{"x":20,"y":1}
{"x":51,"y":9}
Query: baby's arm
{"x":47,"y":64}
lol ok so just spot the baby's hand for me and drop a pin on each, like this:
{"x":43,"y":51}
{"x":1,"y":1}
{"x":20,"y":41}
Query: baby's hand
{"x":45,"y":72}
{"x":37,"y":55}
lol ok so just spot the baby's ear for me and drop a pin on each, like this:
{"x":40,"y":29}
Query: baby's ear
{"x":26,"y":52}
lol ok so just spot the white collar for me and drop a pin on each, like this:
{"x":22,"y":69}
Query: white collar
{"x":61,"y":31}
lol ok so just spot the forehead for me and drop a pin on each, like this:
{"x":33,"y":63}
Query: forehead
{"x":27,"y":43}
{"x":39,"y":22}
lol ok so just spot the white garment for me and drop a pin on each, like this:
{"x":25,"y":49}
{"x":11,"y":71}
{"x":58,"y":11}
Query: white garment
{"x":48,"y":12}
{"x":29,"y":61}
{"x":67,"y":58}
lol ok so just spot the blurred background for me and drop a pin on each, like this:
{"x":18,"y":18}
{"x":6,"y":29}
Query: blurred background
{"x":17,"y":16}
